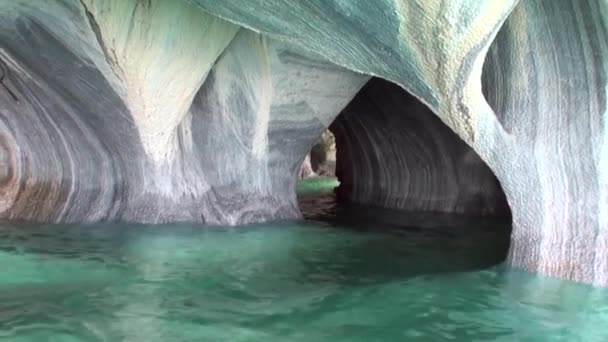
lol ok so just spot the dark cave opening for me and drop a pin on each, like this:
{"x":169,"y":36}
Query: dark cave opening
{"x":400,"y":169}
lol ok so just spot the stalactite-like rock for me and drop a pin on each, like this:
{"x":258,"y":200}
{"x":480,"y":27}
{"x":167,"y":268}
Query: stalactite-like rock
{"x":75,"y":117}
{"x":393,"y":152}
{"x":270,"y":103}
{"x":101,"y":124}
{"x":433,"y":48}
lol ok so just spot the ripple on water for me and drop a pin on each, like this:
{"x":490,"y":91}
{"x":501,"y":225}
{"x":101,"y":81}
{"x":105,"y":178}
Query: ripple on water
{"x":290,"y":281}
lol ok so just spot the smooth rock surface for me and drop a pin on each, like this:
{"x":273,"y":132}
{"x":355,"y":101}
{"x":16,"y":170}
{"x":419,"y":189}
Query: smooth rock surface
{"x":435,"y":49}
{"x":546,"y":142}
{"x":393,"y":152}
{"x":262,"y":108}
{"x":545,"y":77}
{"x":99,"y":126}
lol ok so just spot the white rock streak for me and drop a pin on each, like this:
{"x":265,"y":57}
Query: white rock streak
{"x":162,"y":51}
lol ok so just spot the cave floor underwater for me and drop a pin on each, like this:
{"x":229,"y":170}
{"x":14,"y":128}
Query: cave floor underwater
{"x":344,"y":274}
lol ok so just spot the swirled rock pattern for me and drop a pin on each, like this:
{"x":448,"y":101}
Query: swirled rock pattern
{"x":202,"y":110}
{"x":97,"y":123}
{"x":545,"y":76}
{"x":393,"y":152}
{"x":546,"y":142}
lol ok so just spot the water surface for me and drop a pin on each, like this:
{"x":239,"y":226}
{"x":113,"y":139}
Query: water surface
{"x":350,"y":278}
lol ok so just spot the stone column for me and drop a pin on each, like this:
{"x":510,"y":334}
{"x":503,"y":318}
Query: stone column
{"x":545,"y":78}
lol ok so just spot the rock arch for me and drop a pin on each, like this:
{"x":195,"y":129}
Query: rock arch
{"x":202,"y":110}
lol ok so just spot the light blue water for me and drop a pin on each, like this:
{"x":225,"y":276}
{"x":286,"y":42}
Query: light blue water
{"x":290,"y":281}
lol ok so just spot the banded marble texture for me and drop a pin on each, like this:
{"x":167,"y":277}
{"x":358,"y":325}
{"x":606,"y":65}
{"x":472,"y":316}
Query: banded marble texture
{"x":202,"y":110}
{"x":545,"y":77}
{"x":154,"y":125}
{"x":433,"y":48}
{"x":393,"y":152}
{"x":543,"y":132}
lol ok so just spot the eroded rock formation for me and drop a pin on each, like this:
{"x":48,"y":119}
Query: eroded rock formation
{"x":203,"y":110}
{"x":545,"y":77}
{"x":393,"y":152}
{"x":323,"y":155}
{"x":125,"y":110}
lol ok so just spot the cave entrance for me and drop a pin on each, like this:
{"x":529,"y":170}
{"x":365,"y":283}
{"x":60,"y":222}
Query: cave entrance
{"x":398,"y":167}
{"x":317,"y":180}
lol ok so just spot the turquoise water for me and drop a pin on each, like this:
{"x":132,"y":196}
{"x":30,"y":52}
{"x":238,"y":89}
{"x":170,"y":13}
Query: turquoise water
{"x":316,"y":185}
{"x":429,"y":279}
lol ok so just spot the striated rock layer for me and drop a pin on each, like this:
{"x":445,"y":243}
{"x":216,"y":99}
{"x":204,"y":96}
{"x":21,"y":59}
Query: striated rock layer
{"x":104,"y":115}
{"x":393,"y":152}
{"x":545,"y":77}
{"x":203,"y":110}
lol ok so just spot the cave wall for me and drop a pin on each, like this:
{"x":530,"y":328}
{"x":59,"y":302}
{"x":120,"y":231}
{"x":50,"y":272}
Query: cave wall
{"x":543,"y":132}
{"x":545,"y":78}
{"x":202,"y":110}
{"x":435,"y":49}
{"x":154,"y":112}
{"x":394,"y":152}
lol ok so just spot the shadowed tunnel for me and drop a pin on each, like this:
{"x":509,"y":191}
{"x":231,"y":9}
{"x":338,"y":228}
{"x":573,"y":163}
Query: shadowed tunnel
{"x":400,"y":169}
{"x":393,"y":152}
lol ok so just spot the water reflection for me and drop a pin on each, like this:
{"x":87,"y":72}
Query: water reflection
{"x":354,"y":274}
